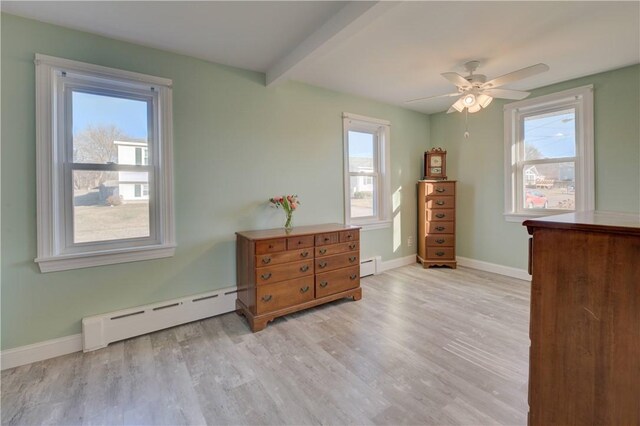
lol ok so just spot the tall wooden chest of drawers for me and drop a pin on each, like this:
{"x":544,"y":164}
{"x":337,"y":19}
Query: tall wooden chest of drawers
{"x":584,"y":359}
{"x":279,"y":273}
{"x":437,"y":223}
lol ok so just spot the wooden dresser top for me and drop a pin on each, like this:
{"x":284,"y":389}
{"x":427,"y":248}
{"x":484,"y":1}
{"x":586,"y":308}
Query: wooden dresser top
{"x":297,"y":231}
{"x":594,"y":221}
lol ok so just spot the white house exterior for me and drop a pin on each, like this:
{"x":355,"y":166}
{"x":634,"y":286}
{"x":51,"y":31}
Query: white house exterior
{"x":133,"y":185}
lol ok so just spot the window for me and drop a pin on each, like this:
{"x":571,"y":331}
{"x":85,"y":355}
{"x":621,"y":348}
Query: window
{"x":104,"y":153}
{"x":366,"y":176}
{"x":549,"y":154}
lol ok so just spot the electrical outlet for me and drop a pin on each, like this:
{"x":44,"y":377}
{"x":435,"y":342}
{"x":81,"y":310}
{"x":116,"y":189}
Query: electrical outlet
{"x":410,"y":241}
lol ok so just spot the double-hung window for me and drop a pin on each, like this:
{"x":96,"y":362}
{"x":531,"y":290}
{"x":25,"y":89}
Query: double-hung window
{"x":104,"y":161}
{"x":366,"y":175}
{"x":549,"y":154}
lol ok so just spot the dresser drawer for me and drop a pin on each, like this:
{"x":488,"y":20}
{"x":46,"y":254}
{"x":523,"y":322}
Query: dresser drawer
{"x":329,"y":263}
{"x":284,"y":294}
{"x":271,"y":246}
{"x":440,"y":214}
{"x":328,"y":238}
{"x":337,"y":281}
{"x":294,"y":243}
{"x":444,"y":240}
{"x":444,"y":188}
{"x":269,"y":259}
{"x":444,"y":202}
{"x":440,"y":228}
{"x":287,"y":271}
{"x":445,"y":253}
{"x":346,"y":236}
{"x":337,"y":249}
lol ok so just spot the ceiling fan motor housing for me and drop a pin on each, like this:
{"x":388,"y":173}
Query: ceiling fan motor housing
{"x":476,"y":80}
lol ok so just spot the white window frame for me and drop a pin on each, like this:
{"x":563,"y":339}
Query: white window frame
{"x":581,"y":99}
{"x":55,"y":253}
{"x":382,"y":176}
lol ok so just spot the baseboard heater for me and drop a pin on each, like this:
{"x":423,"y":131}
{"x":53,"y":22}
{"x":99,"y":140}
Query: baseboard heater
{"x":100,"y":330}
{"x":369,"y":266}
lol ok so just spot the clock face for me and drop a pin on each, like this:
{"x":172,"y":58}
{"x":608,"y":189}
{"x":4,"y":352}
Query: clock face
{"x":436,"y":161}
{"x":436,"y":170}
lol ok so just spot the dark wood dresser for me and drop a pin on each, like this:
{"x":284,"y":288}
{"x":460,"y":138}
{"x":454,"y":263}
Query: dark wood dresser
{"x":437,"y":223}
{"x":279,"y":273}
{"x":585,"y":319}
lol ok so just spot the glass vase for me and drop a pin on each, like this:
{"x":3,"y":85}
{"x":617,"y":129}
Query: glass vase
{"x":288,"y":225}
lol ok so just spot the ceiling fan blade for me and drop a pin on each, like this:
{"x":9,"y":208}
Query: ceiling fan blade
{"x":516,"y":75}
{"x":456,"y":79}
{"x":433,"y":97}
{"x":506,"y":93}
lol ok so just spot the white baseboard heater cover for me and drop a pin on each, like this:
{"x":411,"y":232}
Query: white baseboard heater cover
{"x":100,"y":330}
{"x":369,"y":266}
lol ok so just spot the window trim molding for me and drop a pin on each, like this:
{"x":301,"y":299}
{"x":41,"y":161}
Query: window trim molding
{"x":383,"y":220}
{"x":584,"y":159}
{"x":49,"y":176}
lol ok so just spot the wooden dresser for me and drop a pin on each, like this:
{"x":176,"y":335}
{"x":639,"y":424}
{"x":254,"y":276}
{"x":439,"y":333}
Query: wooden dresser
{"x":279,"y":273}
{"x":585,"y":319}
{"x":437,"y":223}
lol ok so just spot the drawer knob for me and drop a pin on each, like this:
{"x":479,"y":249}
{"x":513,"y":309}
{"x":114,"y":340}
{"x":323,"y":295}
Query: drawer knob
{"x":352,"y":246}
{"x":352,"y":259}
{"x":440,"y":203}
{"x":353,"y":276}
{"x":266,"y":298}
{"x":304,"y":268}
{"x":322,"y":264}
{"x":304,"y":289}
{"x":323,"y":251}
{"x":299,"y":242}
{"x":327,"y":239}
{"x":304,"y":254}
{"x":349,"y":236}
{"x":323,"y":284}
{"x":440,"y":228}
{"x":270,"y":246}
{"x":266,"y":276}
{"x":440,"y":190}
{"x":440,"y":241}
{"x":440,"y":253}
{"x":440,"y":215}
{"x":266,"y":260}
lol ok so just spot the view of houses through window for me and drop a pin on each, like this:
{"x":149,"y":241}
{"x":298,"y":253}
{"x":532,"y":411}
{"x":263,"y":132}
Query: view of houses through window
{"x":109,"y":204}
{"x":548,"y":160}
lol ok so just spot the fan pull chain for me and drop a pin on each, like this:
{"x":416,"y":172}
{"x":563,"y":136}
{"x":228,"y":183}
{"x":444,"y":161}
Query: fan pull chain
{"x":466,"y":123}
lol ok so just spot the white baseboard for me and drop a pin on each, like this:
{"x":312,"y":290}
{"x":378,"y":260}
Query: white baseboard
{"x":40,"y":351}
{"x":520,"y":274}
{"x":396,"y":263}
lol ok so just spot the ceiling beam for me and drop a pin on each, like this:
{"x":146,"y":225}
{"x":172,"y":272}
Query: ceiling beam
{"x":348,"y":21}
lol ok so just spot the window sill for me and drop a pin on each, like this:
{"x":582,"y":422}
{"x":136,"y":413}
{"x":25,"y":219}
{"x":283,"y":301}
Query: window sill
{"x":369,"y":226}
{"x":520,"y":217}
{"x":87,"y":260}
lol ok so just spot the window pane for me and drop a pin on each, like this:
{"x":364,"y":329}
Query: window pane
{"x":361,"y":152}
{"x":108,"y":129}
{"x":362,"y":196}
{"x":109,"y":206}
{"x":550,"y":186}
{"x":550,"y":135}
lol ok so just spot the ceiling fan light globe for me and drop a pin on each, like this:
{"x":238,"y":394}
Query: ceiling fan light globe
{"x":469,"y":100}
{"x":484,"y":100}
{"x":475,"y":108}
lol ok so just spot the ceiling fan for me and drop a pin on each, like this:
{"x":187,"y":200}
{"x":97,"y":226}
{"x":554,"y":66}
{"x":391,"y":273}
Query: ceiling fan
{"x":475,"y":92}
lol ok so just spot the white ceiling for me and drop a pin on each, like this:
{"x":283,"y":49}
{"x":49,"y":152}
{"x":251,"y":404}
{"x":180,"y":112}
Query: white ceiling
{"x":386,"y":51}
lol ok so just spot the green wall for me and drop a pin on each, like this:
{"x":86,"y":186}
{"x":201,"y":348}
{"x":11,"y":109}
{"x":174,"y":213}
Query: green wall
{"x":477,"y":163}
{"x":236,"y":144}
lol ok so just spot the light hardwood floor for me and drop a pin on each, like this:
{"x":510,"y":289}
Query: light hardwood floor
{"x":435,"y":346}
